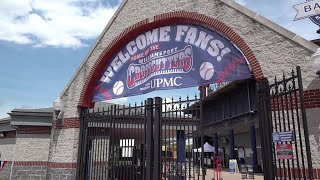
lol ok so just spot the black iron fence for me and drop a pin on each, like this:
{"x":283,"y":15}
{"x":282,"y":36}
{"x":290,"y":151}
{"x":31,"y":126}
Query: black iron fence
{"x":284,"y":130}
{"x":113,"y":143}
{"x":158,"y":139}
{"x":163,"y":138}
{"x":181,"y":134}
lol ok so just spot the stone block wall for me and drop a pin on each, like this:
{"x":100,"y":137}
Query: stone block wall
{"x":7,"y":148}
{"x":29,"y":172}
{"x":61,"y":174}
{"x":32,"y":147}
{"x":23,"y":171}
{"x":5,"y":172}
{"x":313,"y":116}
{"x":28,"y":151}
{"x":63,"y":150}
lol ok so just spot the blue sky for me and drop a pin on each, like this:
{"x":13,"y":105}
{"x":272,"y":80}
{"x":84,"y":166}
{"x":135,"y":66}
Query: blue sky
{"x":42,"y":43}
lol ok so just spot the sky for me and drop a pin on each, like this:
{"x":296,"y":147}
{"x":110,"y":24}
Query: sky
{"x":42,"y":43}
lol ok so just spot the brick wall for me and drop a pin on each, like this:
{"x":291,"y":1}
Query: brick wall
{"x":10,"y":134}
{"x":312,"y":98}
{"x":33,"y":130}
{"x":67,"y":123}
{"x":288,"y":101}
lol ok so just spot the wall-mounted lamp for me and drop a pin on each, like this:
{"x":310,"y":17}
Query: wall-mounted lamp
{"x":58,"y":108}
{"x":315,"y":60}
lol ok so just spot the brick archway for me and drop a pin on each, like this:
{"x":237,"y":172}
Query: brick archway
{"x":158,"y":21}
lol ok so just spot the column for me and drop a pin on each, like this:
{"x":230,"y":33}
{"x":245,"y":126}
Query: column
{"x":216,"y":144}
{"x":181,"y":144}
{"x":253,"y":146}
{"x":232,"y":155}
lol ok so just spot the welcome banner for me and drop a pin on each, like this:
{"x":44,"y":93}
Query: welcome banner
{"x":170,"y":57}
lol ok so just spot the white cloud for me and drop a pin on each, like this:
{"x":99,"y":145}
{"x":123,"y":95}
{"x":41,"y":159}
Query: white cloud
{"x":123,"y":100}
{"x":59,"y":23}
{"x":242,"y":2}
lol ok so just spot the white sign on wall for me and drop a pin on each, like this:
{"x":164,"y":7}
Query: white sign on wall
{"x":248,"y":152}
{"x":241,"y":153}
{"x":307,"y":9}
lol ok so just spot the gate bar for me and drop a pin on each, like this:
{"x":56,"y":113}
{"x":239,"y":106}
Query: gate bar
{"x":265,"y":121}
{"x":149,"y":137}
{"x":305,"y":125}
{"x":202,"y":138}
{"x":81,"y":156}
{"x":157,"y":137}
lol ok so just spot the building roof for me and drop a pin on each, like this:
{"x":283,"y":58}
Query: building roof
{"x":27,"y":117}
{"x":5,"y":119}
{"x":5,"y":124}
{"x":41,"y":110}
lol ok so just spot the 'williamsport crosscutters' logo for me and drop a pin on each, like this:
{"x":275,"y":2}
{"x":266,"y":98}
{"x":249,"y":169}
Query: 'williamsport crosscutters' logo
{"x":177,"y":62}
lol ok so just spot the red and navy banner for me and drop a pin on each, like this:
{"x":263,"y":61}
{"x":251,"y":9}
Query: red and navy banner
{"x":171,"y":57}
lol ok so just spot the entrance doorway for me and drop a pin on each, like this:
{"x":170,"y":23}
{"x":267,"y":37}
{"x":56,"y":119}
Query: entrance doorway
{"x":176,"y":139}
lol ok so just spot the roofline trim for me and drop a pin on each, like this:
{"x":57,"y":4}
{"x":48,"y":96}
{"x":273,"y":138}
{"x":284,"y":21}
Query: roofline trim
{"x":16,"y":123}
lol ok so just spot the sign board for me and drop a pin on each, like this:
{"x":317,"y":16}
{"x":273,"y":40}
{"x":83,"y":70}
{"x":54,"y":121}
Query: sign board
{"x":240,"y":153}
{"x":170,"y":57}
{"x":285,"y":136}
{"x":315,"y":19}
{"x":284,"y":151}
{"x":233,"y":166}
{"x":248,"y":152}
{"x":307,"y":9}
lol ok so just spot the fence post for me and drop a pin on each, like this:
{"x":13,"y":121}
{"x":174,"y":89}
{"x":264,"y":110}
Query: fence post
{"x":265,"y":126}
{"x":157,"y":138}
{"x":304,"y":123}
{"x":82,"y":144}
{"x":149,"y":138}
{"x":202,"y":136}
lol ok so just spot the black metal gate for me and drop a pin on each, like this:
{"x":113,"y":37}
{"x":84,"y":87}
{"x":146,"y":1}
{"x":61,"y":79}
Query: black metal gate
{"x":282,"y":112}
{"x":163,"y":138}
{"x":157,"y":139}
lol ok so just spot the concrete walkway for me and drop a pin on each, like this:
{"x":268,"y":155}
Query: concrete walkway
{"x":227,"y":176}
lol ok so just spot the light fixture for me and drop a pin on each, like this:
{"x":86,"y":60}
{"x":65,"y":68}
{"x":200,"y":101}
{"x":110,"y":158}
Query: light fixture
{"x":315,"y":60}
{"x":57,"y":107}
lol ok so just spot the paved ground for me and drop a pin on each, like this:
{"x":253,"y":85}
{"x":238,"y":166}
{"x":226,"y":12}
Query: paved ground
{"x":227,"y":176}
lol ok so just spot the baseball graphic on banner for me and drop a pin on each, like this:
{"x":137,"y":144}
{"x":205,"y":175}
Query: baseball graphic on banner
{"x":167,"y":57}
{"x":118,"y":88}
{"x":206,"y":70}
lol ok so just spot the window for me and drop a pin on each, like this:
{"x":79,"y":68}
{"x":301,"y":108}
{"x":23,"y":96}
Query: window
{"x":126,"y":146}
